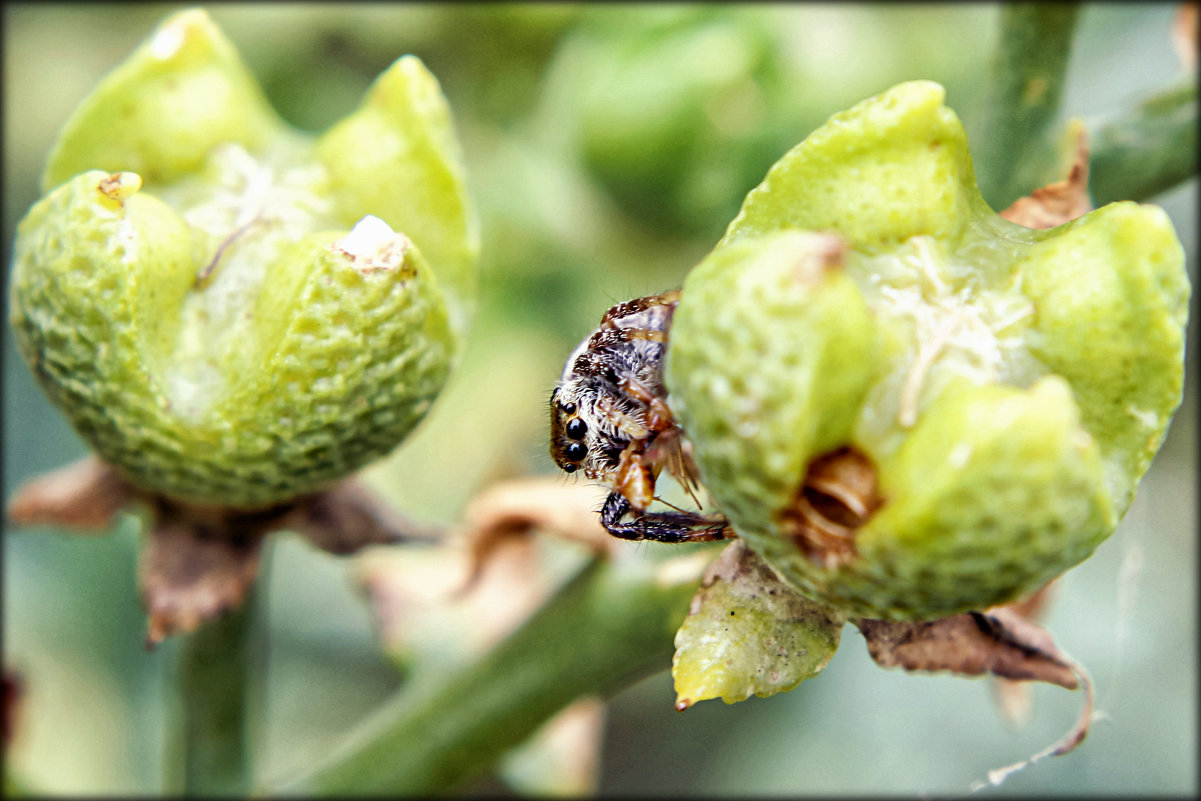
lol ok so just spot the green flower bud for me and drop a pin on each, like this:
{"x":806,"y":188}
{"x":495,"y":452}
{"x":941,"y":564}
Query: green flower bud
{"x":993,"y":392}
{"x":212,"y":298}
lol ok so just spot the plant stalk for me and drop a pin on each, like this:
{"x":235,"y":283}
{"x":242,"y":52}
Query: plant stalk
{"x":210,"y":754}
{"x":1012,"y":146}
{"x":1148,"y":150}
{"x":610,"y":625}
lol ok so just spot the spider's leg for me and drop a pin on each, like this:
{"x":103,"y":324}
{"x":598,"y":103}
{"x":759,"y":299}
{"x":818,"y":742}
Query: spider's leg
{"x":659,"y":416}
{"x":670,"y":298}
{"x":635,"y":481}
{"x":659,"y":526}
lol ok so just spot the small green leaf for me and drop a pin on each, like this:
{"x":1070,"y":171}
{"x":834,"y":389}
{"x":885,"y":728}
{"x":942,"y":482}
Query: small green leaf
{"x":749,"y":633}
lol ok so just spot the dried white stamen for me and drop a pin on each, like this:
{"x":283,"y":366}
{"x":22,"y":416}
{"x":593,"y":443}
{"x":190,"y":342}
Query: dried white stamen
{"x":373,"y":245}
{"x":947,"y":320}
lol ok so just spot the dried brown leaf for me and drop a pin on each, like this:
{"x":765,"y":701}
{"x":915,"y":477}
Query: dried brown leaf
{"x":192,"y":572}
{"x":1184,"y":35}
{"x":510,"y":509}
{"x":199,"y":561}
{"x":349,"y":516}
{"x":83,"y":496}
{"x":1057,"y":203}
{"x":998,"y":641}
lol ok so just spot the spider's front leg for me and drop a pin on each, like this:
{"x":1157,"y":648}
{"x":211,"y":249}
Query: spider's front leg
{"x":659,"y":526}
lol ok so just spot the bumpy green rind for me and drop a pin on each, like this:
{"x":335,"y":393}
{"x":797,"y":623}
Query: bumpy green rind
{"x":335,"y":362}
{"x":1011,"y":389}
{"x":803,"y":378}
{"x":1111,"y":295}
{"x":158,"y":113}
{"x":206,"y":335}
{"x":396,"y":157}
{"x":890,"y":168}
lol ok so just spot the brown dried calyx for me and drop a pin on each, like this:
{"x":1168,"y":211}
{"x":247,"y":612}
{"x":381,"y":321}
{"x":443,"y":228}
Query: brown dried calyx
{"x":1059,"y":202}
{"x":837,"y":497}
{"x":197,"y":562}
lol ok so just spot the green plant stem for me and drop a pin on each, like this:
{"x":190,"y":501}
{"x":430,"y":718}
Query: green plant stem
{"x":1148,"y":150}
{"x":610,"y":625}
{"x":1012,"y":146}
{"x":211,"y":756}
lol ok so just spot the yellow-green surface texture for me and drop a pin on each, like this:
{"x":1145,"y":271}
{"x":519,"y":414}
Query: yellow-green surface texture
{"x":1009,"y":386}
{"x":230,"y":311}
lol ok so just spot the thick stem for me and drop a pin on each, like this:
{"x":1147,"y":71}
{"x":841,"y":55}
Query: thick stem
{"x":1012,"y":146}
{"x":211,"y":752}
{"x":611,"y":625}
{"x":1147,"y":150}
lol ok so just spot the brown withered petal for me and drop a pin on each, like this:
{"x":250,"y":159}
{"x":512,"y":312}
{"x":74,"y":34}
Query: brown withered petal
{"x":348,"y":516}
{"x":513,"y":508}
{"x":198,"y":562}
{"x":998,"y":641}
{"x":1057,"y":203}
{"x":421,"y":600}
{"x":83,"y":496}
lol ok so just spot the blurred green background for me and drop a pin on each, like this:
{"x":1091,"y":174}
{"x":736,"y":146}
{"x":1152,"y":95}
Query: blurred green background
{"x":607,"y":148}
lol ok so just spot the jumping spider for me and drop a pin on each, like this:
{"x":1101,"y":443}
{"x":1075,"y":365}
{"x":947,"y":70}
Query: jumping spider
{"x":608,"y":415}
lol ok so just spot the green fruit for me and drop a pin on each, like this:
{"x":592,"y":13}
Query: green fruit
{"x":1008,"y":387}
{"x":227,"y":310}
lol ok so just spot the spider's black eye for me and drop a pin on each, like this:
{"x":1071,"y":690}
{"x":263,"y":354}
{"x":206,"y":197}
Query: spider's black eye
{"x":568,"y":408}
{"x":575,"y":451}
{"x":576,"y":429}
{"x":569,"y":468}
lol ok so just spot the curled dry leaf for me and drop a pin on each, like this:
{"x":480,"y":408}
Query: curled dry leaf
{"x":481,"y":583}
{"x":1064,"y":745}
{"x":513,"y":508}
{"x":748,"y":633}
{"x":349,"y":516}
{"x":1057,"y":203}
{"x":438,"y":607}
{"x":999,"y":641}
{"x":428,"y":614}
